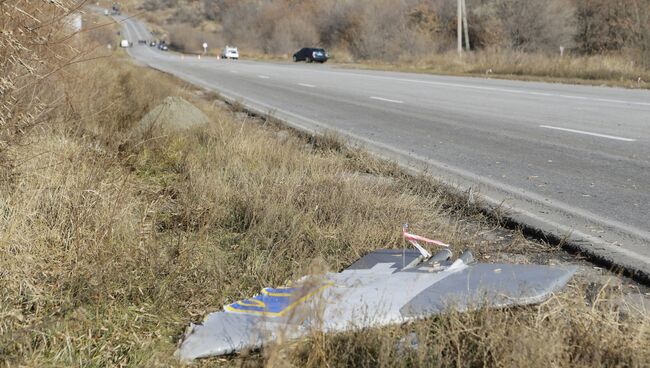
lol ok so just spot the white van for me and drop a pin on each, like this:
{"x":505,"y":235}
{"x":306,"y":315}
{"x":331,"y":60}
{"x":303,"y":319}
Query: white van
{"x":230,"y":52}
{"x":125,"y":43}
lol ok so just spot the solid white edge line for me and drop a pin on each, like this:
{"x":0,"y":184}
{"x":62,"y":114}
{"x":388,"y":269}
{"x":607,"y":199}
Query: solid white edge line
{"x":588,"y":133}
{"x":386,"y":100}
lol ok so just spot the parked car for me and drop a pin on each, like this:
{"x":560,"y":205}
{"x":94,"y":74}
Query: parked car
{"x":153,"y":44}
{"x":230,"y":52}
{"x":311,"y":54}
{"x":115,"y":9}
{"x":125,"y":43}
{"x":162,"y":45}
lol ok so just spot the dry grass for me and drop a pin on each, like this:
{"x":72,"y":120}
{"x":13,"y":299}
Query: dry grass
{"x":614,"y":70}
{"x":562,"y":332}
{"x":110,"y":246}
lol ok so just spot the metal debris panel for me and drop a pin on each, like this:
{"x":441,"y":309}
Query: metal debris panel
{"x":384,"y":287}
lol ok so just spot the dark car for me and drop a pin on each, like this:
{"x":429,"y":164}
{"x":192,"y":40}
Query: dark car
{"x":310,"y":54}
{"x":115,"y":9}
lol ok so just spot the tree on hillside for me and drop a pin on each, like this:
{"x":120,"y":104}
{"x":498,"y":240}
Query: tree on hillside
{"x":151,"y":5}
{"x":386,"y":29}
{"x":525,"y":25}
{"x":536,"y":25}
{"x":607,"y":25}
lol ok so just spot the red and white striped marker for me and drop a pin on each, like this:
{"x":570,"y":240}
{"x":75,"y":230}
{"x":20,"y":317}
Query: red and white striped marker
{"x":413,"y":239}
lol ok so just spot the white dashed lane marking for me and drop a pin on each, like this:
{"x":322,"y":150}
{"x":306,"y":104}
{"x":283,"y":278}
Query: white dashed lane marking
{"x":588,"y":133}
{"x":386,"y":100}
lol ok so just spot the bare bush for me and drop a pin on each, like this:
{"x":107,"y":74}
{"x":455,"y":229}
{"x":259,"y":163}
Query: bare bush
{"x":392,"y":29}
{"x":376,"y":38}
{"x":190,"y":14}
{"x":151,"y":5}
{"x":523,"y":25}
{"x":643,"y":40}
{"x":32,"y":46}
{"x":606,"y":25}
{"x":338,"y":22}
{"x":213,"y":9}
{"x":187,"y":39}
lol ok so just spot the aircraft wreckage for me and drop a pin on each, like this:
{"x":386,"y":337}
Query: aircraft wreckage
{"x":384,"y":287}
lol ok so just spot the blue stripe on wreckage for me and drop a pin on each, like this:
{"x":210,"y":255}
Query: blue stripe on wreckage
{"x":262,"y":304}
{"x":273,"y":302}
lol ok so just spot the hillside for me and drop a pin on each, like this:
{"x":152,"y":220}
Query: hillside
{"x":602,"y":40}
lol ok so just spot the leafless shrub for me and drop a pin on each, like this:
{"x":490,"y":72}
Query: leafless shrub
{"x":643,"y":39}
{"x":33,"y":37}
{"x":606,"y":25}
{"x":410,"y":29}
{"x":151,"y":5}
{"x":212,"y":9}
{"x":529,"y":26}
{"x":376,"y":38}
{"x":189,"y":14}
{"x":614,"y":26}
{"x":190,"y":40}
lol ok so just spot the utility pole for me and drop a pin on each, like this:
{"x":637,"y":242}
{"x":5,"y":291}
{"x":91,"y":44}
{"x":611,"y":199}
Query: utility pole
{"x":460,"y":28}
{"x":465,"y":25}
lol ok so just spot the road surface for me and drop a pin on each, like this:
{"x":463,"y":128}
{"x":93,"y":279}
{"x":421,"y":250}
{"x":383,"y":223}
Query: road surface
{"x":572,"y":161}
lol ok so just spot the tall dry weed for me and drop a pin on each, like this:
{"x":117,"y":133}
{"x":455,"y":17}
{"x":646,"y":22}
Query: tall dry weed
{"x":31,"y":48}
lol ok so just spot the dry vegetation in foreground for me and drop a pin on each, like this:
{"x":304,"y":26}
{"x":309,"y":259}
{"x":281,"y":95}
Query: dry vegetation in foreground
{"x":110,"y":244}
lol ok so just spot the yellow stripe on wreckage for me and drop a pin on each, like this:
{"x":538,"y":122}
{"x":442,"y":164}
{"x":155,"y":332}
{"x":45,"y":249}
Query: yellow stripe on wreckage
{"x":274,"y":302}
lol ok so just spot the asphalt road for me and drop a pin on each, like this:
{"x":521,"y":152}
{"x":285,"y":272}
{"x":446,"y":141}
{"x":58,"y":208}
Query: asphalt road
{"x":573,"y":161}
